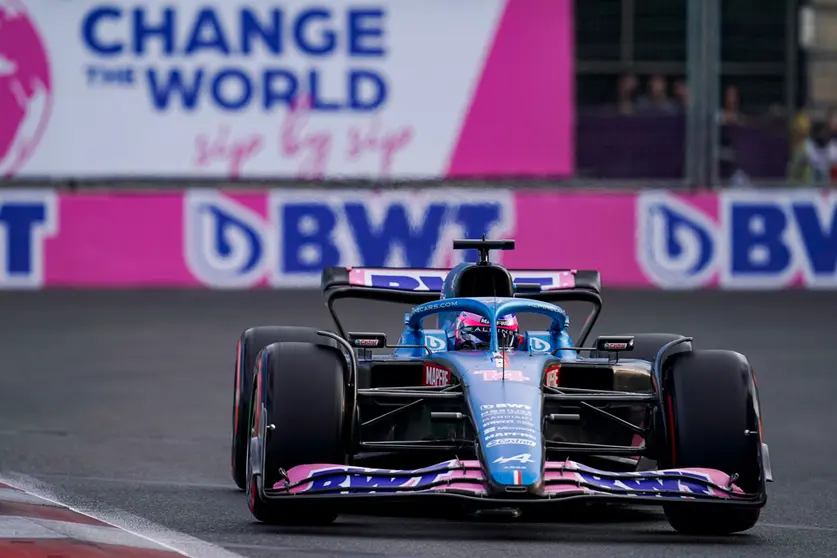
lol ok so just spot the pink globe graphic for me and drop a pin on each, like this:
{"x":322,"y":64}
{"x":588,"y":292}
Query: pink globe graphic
{"x":25,"y":87}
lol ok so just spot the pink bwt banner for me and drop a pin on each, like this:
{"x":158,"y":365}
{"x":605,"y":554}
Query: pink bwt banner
{"x":242,"y":89}
{"x":205,"y":238}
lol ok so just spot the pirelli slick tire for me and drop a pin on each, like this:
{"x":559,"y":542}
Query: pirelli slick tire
{"x":298,"y":418}
{"x":711,"y":402}
{"x":250,"y":344}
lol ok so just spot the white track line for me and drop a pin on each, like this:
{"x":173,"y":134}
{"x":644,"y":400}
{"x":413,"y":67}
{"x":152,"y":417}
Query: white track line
{"x":175,"y":541}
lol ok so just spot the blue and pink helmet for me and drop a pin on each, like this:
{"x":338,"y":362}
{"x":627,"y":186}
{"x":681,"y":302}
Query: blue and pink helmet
{"x":472,"y":331}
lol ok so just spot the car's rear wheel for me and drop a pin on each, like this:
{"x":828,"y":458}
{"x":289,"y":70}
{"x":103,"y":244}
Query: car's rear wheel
{"x":251,"y":342}
{"x":300,"y":389}
{"x":713,"y":414}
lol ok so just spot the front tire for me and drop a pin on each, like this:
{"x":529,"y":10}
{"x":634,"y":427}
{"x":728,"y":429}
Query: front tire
{"x":300,"y":389}
{"x":250,"y":344}
{"x":713,"y":414}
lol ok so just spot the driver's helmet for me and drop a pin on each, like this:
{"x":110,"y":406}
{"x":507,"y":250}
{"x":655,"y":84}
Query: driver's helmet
{"x":472,"y":331}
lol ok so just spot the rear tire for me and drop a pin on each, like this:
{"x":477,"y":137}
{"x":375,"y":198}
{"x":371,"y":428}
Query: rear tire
{"x":711,"y":400}
{"x":301,"y":389}
{"x":250,"y":344}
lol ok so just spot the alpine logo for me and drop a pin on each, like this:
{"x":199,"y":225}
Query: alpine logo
{"x":522,"y":458}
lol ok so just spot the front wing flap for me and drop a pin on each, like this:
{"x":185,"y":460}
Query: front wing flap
{"x":561,"y":480}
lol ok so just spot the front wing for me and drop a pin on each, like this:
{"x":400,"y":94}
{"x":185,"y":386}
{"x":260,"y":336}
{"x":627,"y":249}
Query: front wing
{"x":562,"y":480}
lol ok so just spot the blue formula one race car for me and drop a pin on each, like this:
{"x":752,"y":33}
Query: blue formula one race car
{"x":479,"y":413}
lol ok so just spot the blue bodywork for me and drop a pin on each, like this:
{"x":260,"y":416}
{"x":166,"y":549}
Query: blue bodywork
{"x":503,"y":389}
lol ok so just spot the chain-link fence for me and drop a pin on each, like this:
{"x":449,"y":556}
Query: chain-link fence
{"x":634,"y":74}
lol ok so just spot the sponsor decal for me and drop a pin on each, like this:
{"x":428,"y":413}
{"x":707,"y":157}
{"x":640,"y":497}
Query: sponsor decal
{"x":498,"y":406}
{"x":508,"y":422}
{"x":227,"y":244}
{"x":523,"y":458}
{"x":657,"y":484}
{"x":436,"y":376}
{"x":340,"y":480}
{"x":552,"y":376}
{"x":511,"y":434}
{"x":763,"y":240}
{"x":508,"y":441}
{"x":501,"y":375}
{"x":539,"y":345}
{"x":435,"y":344}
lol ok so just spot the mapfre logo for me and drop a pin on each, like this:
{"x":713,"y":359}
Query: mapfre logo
{"x":436,"y":376}
{"x":25,"y":87}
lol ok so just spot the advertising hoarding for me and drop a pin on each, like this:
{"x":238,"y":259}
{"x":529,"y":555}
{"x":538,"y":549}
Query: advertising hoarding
{"x":297,"y":89}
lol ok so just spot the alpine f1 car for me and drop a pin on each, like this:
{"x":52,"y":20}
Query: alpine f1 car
{"x":477,"y":412}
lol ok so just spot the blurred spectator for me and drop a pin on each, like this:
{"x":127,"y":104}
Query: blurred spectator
{"x":831,"y":120}
{"x":800,"y":130}
{"x":815,"y":159}
{"x":626,"y":93}
{"x":732,"y":102}
{"x":657,"y":99}
{"x":681,"y":94}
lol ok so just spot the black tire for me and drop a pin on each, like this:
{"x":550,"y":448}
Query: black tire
{"x":303,"y":391}
{"x":250,"y":344}
{"x":711,"y":401}
{"x":647,"y":345}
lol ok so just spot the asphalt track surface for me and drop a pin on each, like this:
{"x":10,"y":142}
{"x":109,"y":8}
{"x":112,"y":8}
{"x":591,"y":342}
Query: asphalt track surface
{"x":119,"y":403}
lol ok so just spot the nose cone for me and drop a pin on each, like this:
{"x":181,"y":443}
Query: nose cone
{"x":504,"y":393}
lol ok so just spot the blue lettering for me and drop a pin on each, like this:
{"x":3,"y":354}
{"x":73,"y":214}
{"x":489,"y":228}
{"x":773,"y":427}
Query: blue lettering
{"x":756,"y":240}
{"x":371,"y":83}
{"x":327,"y":41}
{"x":433,"y":282}
{"x":366,"y":24}
{"x":314,"y":87}
{"x":285,"y":94}
{"x":398,"y":282}
{"x":418,"y":245}
{"x":143,"y":31}
{"x":819,"y":244}
{"x":207,"y":21}
{"x":89,"y":28}
{"x":306,"y":236}
{"x":20,"y":220}
{"x":407,"y":282}
{"x":657,"y":484}
{"x":271,"y":36}
{"x":224,"y":99}
{"x":542,"y":281}
{"x":340,"y":481}
{"x":161,"y":92}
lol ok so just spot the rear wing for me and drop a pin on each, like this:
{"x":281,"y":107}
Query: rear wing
{"x":426,"y":284}
{"x":416,"y":286}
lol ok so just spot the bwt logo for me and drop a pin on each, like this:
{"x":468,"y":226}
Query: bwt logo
{"x":229,"y":245}
{"x":765,"y":239}
{"x":27,"y":219}
{"x":223,"y":55}
{"x":25,"y":87}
